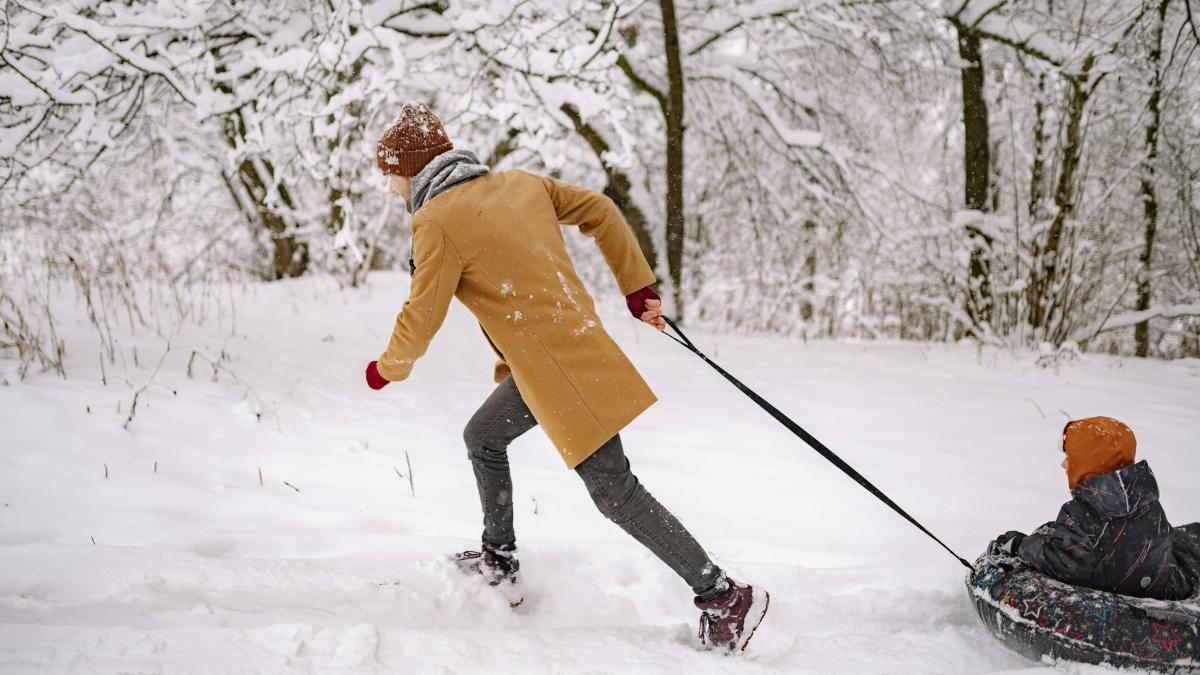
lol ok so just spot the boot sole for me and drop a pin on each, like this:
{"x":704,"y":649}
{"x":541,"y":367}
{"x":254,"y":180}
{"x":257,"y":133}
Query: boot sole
{"x":757,"y":609}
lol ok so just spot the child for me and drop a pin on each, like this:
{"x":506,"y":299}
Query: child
{"x":1113,"y":535}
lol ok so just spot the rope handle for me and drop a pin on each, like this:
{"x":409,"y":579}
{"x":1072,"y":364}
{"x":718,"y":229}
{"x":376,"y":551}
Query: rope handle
{"x":808,"y":438}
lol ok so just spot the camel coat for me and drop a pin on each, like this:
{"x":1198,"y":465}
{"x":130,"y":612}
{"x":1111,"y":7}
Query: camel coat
{"x":496,"y":244}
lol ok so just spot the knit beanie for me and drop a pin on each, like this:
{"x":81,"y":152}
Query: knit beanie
{"x":415,"y":137}
{"x":1096,"y":446}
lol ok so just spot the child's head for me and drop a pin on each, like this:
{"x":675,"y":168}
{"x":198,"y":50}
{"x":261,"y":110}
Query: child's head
{"x":1096,"y":446}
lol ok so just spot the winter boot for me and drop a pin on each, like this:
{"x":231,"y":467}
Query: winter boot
{"x":728,"y":621}
{"x":497,"y":564}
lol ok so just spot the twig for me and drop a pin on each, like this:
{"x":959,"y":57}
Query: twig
{"x":260,"y":480}
{"x":215,"y":364}
{"x":149,"y":381}
{"x":1191,"y":21}
{"x":106,"y":472}
{"x":291,"y":486}
{"x":1039,"y":408}
{"x":411,"y":487}
{"x":136,"y":394}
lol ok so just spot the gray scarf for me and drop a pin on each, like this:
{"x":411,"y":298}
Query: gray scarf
{"x":442,"y":173}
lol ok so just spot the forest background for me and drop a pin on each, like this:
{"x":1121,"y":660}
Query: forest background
{"x":1024,"y":174}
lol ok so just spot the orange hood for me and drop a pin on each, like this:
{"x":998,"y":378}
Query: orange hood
{"x":1096,"y":446}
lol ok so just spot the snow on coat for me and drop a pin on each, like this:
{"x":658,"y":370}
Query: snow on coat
{"x":496,"y":244}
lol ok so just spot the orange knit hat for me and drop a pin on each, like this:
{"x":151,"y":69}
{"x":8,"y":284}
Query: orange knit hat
{"x":1095,"y":446}
{"x":415,"y":137}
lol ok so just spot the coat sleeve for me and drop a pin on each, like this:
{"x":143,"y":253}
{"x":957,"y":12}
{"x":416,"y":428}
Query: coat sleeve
{"x":1060,"y":549}
{"x":599,"y":218}
{"x":438,"y":269}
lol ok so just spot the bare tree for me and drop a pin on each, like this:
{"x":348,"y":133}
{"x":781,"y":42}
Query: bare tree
{"x":1149,"y":186}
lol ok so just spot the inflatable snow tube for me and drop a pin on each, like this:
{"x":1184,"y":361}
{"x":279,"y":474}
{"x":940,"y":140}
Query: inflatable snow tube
{"x":1039,"y":617}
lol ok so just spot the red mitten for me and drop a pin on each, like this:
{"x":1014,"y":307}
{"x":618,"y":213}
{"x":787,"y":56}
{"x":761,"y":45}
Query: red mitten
{"x":636,"y":301}
{"x":374,"y":379}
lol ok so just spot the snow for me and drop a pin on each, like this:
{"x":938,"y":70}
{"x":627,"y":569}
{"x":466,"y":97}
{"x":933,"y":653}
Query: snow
{"x":196,"y":567}
{"x":293,"y":61}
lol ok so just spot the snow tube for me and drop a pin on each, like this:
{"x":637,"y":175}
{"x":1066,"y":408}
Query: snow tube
{"x":1038,"y":617}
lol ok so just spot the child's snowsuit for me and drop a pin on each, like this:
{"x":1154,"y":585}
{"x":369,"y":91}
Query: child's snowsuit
{"x":1114,"y":536}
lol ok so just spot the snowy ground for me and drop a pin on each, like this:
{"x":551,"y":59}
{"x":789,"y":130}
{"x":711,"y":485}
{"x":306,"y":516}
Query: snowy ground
{"x":195,"y":567}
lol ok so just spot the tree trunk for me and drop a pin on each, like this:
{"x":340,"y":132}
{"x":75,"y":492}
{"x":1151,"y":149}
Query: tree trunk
{"x":1141,"y":332}
{"x":807,"y":309}
{"x":1044,"y":293}
{"x":344,"y":189}
{"x":1037,"y":177}
{"x":675,"y":131}
{"x":289,"y":257}
{"x":977,"y":179}
{"x":619,"y":187}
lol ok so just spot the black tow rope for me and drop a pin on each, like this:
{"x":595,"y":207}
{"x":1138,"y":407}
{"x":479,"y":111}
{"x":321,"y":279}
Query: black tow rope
{"x":809,"y":439}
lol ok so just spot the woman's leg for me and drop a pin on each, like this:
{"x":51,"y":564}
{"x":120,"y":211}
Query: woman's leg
{"x":622,"y":499}
{"x":501,"y":419}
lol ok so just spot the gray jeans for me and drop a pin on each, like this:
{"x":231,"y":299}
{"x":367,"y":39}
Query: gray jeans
{"x":606,"y":474}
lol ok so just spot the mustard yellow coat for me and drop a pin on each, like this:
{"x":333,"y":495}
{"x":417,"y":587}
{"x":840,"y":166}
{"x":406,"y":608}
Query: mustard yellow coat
{"x":496,"y":244}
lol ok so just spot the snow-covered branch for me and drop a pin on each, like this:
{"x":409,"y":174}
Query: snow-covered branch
{"x":1129,"y":319}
